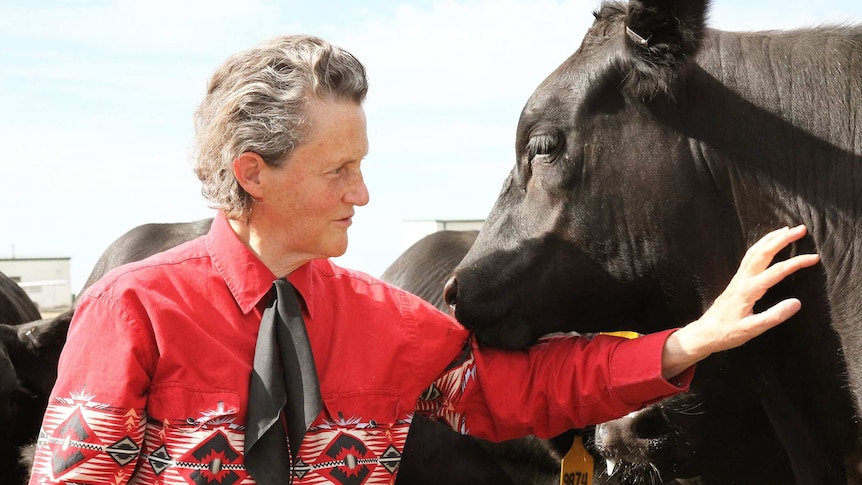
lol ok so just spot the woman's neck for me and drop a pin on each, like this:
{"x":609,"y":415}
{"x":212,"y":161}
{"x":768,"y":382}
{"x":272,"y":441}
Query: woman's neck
{"x":267,"y":248}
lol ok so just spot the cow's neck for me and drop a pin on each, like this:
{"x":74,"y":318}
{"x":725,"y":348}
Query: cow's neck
{"x":778,"y":118}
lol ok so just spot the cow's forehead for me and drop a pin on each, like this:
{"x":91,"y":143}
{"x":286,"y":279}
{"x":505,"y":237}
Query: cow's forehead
{"x":560,"y":96}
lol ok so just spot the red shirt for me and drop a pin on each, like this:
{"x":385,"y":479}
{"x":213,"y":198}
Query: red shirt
{"x":153,"y":380}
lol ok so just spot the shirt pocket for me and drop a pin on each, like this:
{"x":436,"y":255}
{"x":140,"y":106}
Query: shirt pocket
{"x":191,"y":408}
{"x":368,"y":409}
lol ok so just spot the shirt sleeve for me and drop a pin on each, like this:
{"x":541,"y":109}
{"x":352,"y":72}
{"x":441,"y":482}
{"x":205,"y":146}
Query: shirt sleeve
{"x":560,"y":383}
{"x":94,"y":424}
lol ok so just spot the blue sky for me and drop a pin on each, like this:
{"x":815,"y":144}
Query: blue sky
{"x":96,"y":103}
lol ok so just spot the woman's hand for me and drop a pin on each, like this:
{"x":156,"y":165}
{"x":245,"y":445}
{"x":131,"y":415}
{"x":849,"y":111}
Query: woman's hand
{"x":731,"y":321}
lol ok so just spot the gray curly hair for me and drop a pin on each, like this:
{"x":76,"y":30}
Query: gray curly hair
{"x":256,"y":102}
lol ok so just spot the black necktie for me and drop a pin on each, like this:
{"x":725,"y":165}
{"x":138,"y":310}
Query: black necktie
{"x":284,"y":394}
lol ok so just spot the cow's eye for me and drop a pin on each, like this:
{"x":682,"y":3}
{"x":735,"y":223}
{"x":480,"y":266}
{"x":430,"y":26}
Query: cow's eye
{"x":542,"y":145}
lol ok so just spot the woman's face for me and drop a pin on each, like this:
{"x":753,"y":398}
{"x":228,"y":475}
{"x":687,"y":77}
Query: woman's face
{"x":310,"y":198}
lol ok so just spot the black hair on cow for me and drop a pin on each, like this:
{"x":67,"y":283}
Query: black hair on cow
{"x":660,"y":36}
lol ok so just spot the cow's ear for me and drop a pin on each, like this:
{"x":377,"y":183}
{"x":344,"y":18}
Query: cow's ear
{"x":661,"y":37}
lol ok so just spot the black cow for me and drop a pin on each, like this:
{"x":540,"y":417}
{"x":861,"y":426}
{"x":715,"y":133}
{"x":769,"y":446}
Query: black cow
{"x":645,"y":165}
{"x":15,"y":307}
{"x":29,"y":348}
{"x":34,"y":349}
{"x":434,"y":453}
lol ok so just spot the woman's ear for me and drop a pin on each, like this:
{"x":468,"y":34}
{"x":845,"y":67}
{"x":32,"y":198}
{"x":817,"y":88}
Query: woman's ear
{"x":246,"y":168}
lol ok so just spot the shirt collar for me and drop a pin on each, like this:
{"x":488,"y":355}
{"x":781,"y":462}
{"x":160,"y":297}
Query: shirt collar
{"x":302,"y":279}
{"x":247,"y":278}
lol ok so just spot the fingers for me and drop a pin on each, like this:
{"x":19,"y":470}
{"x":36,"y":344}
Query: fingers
{"x":760,"y":255}
{"x":758,"y":274}
{"x":782,"y":269}
{"x":772,"y":316}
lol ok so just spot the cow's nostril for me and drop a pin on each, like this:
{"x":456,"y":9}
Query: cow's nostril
{"x":650,"y":425}
{"x":450,"y":292}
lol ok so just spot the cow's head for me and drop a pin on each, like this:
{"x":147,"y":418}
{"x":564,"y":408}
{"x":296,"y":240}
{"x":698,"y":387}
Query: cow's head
{"x":605,"y":216}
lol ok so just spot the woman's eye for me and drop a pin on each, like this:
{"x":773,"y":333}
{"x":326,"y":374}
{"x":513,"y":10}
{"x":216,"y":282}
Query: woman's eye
{"x":541,"y":145}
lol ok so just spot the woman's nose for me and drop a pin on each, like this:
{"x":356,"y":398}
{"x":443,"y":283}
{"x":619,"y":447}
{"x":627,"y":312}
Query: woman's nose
{"x":357,"y":194}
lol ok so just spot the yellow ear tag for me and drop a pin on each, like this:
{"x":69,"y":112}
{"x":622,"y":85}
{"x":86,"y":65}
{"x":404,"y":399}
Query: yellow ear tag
{"x":576,"y":467}
{"x":622,"y":333}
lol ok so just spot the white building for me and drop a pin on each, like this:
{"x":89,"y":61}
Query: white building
{"x":47,"y":281}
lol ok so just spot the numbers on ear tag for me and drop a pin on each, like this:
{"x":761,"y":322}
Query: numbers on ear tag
{"x":576,"y":467}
